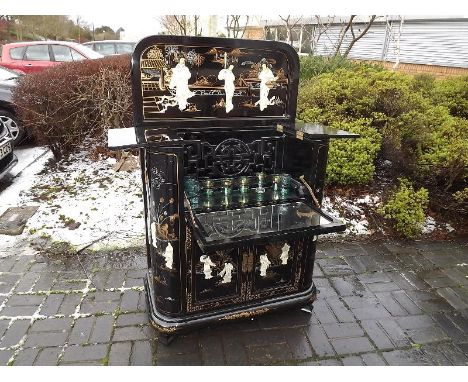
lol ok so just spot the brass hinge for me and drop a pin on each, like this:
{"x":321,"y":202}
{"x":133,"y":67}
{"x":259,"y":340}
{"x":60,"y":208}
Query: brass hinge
{"x":247,"y":262}
{"x":300,"y":135}
{"x":279,"y":128}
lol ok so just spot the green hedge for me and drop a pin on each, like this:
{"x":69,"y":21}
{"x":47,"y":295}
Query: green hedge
{"x":312,"y":66}
{"x":421,"y":121}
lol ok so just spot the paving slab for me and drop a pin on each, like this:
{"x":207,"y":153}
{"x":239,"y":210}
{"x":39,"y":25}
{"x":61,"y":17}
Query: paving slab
{"x":13,"y":220}
{"x":380,"y":304}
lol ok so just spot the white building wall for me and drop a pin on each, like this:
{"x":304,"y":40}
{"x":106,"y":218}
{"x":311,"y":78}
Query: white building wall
{"x":429,"y":42}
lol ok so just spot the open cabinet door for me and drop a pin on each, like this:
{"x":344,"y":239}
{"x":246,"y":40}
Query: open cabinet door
{"x":257,"y":225}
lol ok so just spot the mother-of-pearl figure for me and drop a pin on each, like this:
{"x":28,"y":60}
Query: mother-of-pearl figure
{"x":179,"y":80}
{"x":228,"y":76}
{"x":265,"y":76}
{"x":285,"y":254}
{"x":226,"y":273}
{"x":168,"y":252}
{"x":264,"y":264}
{"x":207,"y":264}
{"x":169,"y":255}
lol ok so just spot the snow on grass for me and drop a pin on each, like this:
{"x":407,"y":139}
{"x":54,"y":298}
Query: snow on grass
{"x":79,"y":202}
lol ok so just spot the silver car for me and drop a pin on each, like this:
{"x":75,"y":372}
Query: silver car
{"x":8,"y":118}
{"x":111,"y":47}
{"x":7,"y":157}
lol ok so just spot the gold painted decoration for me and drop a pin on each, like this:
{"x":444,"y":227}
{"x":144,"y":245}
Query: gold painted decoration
{"x":247,"y":314}
{"x":178,"y":80}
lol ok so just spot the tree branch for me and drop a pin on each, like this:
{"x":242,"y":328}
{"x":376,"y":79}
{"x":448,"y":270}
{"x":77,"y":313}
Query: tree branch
{"x":343,"y":32}
{"x":356,"y":39}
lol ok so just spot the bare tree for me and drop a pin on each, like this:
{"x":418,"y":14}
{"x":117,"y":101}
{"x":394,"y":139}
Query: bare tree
{"x":78,"y":20}
{"x":291,"y":23}
{"x":184,"y":25}
{"x":349,"y":27}
{"x":314,"y":33}
{"x":234,"y":26}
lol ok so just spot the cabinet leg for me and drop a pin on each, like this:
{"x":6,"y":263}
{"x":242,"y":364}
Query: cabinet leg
{"x":166,"y":339}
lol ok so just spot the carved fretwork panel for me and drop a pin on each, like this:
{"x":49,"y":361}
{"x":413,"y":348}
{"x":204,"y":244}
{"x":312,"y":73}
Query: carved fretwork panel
{"x":232,"y":157}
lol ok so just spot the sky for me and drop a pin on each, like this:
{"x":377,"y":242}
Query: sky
{"x":139,"y":18}
{"x":135,"y":27}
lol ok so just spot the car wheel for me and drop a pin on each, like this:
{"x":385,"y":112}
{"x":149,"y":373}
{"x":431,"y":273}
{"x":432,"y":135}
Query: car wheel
{"x":11,"y":122}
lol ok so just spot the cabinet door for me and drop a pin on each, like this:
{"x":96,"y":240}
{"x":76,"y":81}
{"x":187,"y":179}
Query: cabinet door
{"x":277,"y":269}
{"x":164,"y":228}
{"x":215,"y":278}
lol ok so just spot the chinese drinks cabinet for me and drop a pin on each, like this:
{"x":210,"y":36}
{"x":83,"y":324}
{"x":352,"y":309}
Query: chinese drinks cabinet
{"x":232,"y":183}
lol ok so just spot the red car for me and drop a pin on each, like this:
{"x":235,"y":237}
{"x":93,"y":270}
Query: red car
{"x":34,"y":56}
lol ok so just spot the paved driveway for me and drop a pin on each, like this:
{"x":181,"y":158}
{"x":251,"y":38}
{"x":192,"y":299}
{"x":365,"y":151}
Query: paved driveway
{"x":379,"y":304}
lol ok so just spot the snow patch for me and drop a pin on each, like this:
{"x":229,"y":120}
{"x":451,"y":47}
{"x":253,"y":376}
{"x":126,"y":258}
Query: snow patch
{"x":358,"y":224}
{"x":449,"y":228}
{"x":429,"y":225}
{"x":86,"y":195}
{"x":372,"y":200}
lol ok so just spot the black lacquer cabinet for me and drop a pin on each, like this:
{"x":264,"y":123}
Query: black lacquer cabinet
{"x":232,"y":183}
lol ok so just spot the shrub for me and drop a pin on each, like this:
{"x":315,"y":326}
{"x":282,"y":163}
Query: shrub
{"x":452,"y":93}
{"x":312,"y":66}
{"x":445,"y":154}
{"x":419,"y":136}
{"x":461,"y":196}
{"x":364,"y":92}
{"x":406,"y":136}
{"x":406,"y":209}
{"x":461,"y":201}
{"x":424,"y":84}
{"x":336,"y":96}
{"x":351,"y":161}
{"x":64,"y":105}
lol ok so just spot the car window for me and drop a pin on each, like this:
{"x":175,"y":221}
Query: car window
{"x":77,"y":56}
{"x":62,"y":53}
{"x":124,"y":48}
{"x":85,"y":50}
{"x":105,"y":49}
{"x":17,"y":53}
{"x":37,"y":53}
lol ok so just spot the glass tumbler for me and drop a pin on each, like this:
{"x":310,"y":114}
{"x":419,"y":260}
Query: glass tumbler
{"x":208,"y":186}
{"x":244,"y":184}
{"x":285,"y":183}
{"x":192,"y":186}
{"x":227,"y":185}
{"x":261,"y":177}
{"x":276,"y":182}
